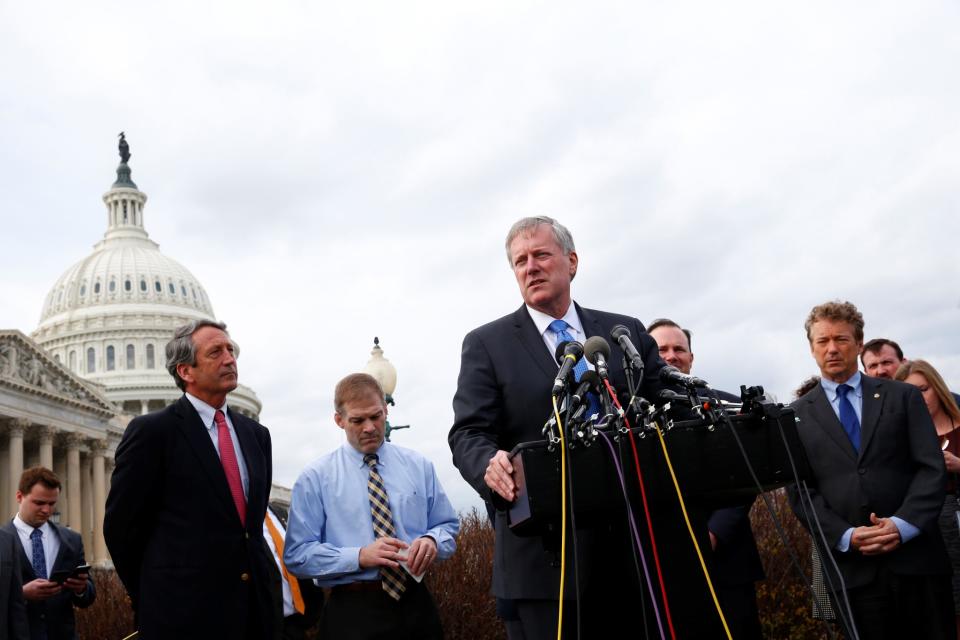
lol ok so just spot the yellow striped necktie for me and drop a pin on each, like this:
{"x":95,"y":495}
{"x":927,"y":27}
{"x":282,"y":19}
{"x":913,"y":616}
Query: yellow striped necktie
{"x":393,"y":580}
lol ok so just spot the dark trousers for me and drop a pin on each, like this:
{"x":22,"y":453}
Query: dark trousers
{"x":739,"y":604}
{"x":537,"y":620}
{"x":895,"y":607}
{"x":295,"y":627}
{"x":370,"y":614}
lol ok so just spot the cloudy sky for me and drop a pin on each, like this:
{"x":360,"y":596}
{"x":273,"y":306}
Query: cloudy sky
{"x":335,"y":171}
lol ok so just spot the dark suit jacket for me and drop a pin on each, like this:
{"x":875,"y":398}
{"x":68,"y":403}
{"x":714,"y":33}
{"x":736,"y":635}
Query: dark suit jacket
{"x":899,"y":471}
{"x":503,"y":399}
{"x":191,"y":568}
{"x":13,"y":614}
{"x":55,"y":614}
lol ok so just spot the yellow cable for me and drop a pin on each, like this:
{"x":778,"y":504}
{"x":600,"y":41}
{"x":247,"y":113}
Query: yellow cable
{"x":563,"y":515}
{"x":686,"y":518}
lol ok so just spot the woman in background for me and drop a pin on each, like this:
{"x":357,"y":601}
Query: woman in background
{"x":946,"y":418}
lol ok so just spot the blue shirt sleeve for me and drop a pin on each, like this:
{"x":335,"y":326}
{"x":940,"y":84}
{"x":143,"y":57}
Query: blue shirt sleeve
{"x":305,"y":552}
{"x":907,"y":531}
{"x":844,"y":545}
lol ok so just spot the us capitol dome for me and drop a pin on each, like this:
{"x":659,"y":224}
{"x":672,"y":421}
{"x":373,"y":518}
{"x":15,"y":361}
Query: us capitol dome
{"x":109,"y":316}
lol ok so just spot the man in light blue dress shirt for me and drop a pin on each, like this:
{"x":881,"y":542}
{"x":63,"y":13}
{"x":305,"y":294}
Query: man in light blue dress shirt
{"x":877,"y":488}
{"x":331,"y":535}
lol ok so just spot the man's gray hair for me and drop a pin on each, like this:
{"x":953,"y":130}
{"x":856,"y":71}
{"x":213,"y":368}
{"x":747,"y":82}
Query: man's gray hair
{"x":528,"y":225}
{"x":182,"y":350}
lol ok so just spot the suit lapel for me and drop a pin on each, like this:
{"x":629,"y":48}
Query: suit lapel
{"x":64,"y":549}
{"x":591,"y":324}
{"x":526,"y":332}
{"x":872,"y":389}
{"x":25,"y":563}
{"x":195,"y":432}
{"x":827,"y":420}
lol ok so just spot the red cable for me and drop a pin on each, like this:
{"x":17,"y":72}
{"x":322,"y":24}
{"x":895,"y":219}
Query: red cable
{"x":646,"y":511}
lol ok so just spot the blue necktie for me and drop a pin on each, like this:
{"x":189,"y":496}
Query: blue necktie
{"x":848,"y":417}
{"x":39,"y":560}
{"x":559,"y":327}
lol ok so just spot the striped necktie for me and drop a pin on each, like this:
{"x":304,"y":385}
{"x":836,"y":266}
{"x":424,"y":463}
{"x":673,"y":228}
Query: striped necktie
{"x":392,"y":579}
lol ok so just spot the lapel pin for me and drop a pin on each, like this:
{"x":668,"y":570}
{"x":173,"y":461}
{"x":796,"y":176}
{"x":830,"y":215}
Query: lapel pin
{"x":876,"y":395}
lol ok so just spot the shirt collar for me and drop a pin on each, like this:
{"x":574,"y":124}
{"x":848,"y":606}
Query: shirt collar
{"x":853,"y":381}
{"x":356,"y":457}
{"x":27,"y":529}
{"x":206,"y":411}
{"x":543,"y":320}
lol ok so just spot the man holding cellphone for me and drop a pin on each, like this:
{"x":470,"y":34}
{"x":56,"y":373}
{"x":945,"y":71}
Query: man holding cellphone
{"x":55,"y":576}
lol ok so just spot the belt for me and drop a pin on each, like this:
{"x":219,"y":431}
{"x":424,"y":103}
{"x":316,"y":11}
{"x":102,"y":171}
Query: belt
{"x":363,"y":585}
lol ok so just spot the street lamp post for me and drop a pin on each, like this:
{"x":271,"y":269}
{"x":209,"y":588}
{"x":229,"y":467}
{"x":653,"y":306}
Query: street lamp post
{"x":386,"y":374}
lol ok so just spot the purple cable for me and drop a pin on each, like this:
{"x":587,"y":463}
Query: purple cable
{"x":633,"y":529}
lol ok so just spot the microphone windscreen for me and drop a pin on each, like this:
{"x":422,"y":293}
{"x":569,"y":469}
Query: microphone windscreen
{"x":568,"y":348}
{"x":596,"y":345}
{"x":668,"y":373}
{"x":590,"y":376}
{"x":617,"y":331}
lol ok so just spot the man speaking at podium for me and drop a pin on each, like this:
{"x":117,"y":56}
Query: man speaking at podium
{"x":503,"y":398}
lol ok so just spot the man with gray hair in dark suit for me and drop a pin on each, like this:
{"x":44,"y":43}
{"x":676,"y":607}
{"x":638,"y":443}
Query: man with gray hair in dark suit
{"x":187,"y":500}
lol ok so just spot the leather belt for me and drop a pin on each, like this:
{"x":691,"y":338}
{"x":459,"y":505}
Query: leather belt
{"x":363,"y":585}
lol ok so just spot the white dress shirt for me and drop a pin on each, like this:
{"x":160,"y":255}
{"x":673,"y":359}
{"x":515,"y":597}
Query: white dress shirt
{"x":542,"y":321}
{"x":50,"y":540}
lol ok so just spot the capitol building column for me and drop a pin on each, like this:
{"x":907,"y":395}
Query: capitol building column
{"x":60,"y":468}
{"x":15,"y":431}
{"x":46,"y":446}
{"x":74,"y":505}
{"x":97,"y":449}
{"x":86,"y":500}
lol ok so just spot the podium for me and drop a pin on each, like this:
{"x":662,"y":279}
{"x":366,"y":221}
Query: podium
{"x":708,"y":463}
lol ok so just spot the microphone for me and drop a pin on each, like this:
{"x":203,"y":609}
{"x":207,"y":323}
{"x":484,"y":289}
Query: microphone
{"x":567,"y":355}
{"x":588,"y":381}
{"x":672,"y":374}
{"x":597,"y":350}
{"x":621,"y":335}
{"x":579,"y":402}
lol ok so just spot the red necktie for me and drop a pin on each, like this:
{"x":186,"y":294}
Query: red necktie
{"x":228,"y":458}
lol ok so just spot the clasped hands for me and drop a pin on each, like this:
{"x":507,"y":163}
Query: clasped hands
{"x":881,"y":536}
{"x":387,"y":552}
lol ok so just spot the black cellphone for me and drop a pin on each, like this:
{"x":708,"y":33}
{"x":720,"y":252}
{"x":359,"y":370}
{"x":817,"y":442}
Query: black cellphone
{"x":61,"y":576}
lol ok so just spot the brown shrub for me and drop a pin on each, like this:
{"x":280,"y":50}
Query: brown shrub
{"x":461,"y":585}
{"x":110,"y":617}
{"x":783,"y":598}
